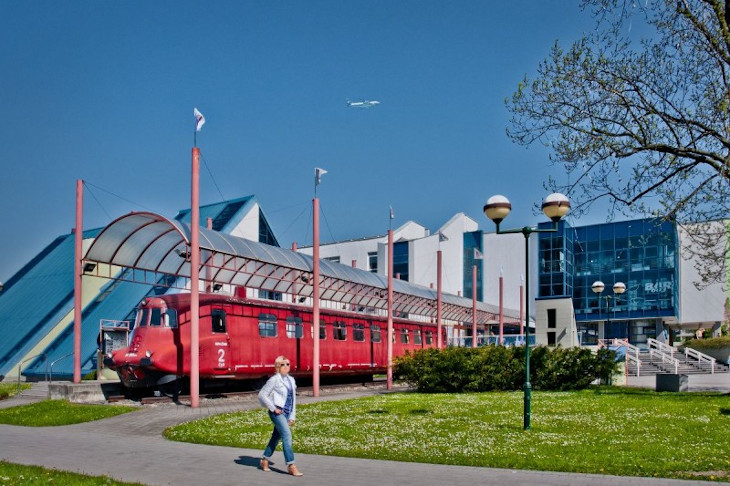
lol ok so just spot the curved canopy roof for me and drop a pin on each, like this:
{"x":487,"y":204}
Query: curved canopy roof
{"x":160,"y":248}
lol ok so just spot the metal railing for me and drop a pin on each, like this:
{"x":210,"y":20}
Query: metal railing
{"x":636,"y":361}
{"x":50,"y":379}
{"x":665,"y":359}
{"x":663,"y":347}
{"x":20,"y":365}
{"x":700,"y":357}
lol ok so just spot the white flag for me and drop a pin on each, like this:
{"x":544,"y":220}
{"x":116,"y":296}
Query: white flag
{"x":477,"y":254}
{"x":199,"y":119}
{"x":391,"y":213}
{"x":318,"y":173}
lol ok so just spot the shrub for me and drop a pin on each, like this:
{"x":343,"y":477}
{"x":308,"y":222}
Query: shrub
{"x":710,"y":343}
{"x":491,"y":368}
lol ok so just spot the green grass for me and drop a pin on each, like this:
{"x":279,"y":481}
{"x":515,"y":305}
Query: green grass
{"x":8,"y":389}
{"x":604,"y":430}
{"x":12,"y":474}
{"x":58,"y":412}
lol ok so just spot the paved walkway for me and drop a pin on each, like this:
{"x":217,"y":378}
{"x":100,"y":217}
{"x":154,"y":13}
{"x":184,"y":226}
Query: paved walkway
{"x":130,"y":448}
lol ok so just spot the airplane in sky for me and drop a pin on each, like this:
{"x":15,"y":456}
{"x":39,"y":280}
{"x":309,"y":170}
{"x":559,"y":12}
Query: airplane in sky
{"x":362,"y":103}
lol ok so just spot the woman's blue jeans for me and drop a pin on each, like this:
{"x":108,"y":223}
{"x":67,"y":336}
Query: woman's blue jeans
{"x":281,"y":432}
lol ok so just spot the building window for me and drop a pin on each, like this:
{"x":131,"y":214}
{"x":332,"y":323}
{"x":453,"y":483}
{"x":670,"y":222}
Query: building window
{"x":358,"y":332}
{"x":417,"y":337}
{"x":587,"y":333}
{"x":333,"y":259}
{"x":294,"y":327}
{"x":339,"y":331}
{"x":551,"y":338}
{"x":373,"y":261}
{"x":400,"y":260}
{"x":267,"y":325}
{"x":429,"y":337}
{"x":375,"y":333}
{"x":322,"y":330}
{"x":218,"y":320}
{"x":405,"y":338}
{"x":551,"y":320}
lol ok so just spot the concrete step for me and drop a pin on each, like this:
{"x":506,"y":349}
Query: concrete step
{"x":38,"y":390}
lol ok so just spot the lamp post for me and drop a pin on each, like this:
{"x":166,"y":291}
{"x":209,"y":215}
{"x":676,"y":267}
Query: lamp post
{"x":618,"y":289}
{"x":555,"y":206}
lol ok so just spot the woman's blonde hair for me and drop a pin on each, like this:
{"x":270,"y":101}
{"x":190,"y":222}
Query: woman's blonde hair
{"x":279,"y":360}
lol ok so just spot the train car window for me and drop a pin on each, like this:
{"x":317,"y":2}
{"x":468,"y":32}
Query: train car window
{"x":156,"y":318}
{"x":358,"y":332}
{"x":322,"y":330}
{"x":429,"y":337}
{"x":339,"y":331}
{"x":294,"y":327}
{"x":170,"y":318}
{"x":267,"y":325}
{"x":405,"y":338}
{"x":417,"y":337}
{"x":375,"y":333}
{"x":143,"y":315}
{"x":218,"y":320}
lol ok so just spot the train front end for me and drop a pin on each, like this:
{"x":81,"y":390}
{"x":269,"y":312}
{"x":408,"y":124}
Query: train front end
{"x":154,"y":355}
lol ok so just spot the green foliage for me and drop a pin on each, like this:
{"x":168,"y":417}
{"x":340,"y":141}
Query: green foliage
{"x":499,"y":368}
{"x":58,"y":412}
{"x":8,"y":389}
{"x":11,"y":473}
{"x":710,"y":343}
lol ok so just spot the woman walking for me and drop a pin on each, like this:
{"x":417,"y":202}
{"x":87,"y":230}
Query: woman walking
{"x":279,"y":396}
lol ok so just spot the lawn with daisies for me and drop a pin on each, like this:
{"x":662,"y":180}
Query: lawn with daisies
{"x":602,"y":430}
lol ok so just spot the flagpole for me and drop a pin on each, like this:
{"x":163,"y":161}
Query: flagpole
{"x":315,"y":296}
{"x":389,"y":345}
{"x":78,"y":245}
{"x":194,"y":280}
{"x":439,"y":341}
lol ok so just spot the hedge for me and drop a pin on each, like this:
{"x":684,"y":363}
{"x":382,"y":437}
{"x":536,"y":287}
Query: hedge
{"x":709,"y":343}
{"x":493,"y":367}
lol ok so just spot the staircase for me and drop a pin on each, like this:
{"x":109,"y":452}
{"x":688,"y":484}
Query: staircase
{"x":39,"y":391}
{"x":661,"y":358}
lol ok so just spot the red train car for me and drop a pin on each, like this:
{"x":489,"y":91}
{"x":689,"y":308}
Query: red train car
{"x":239,"y":339}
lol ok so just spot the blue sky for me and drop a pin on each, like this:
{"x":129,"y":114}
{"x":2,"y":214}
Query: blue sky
{"x":104,"y":92}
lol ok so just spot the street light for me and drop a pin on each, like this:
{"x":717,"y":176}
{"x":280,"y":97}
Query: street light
{"x":618,"y":289}
{"x":497,"y":208}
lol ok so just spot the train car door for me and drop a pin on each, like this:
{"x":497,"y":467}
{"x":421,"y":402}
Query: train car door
{"x":221,"y":341}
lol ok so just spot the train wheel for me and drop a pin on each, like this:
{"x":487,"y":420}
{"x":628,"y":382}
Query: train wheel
{"x":172,"y":388}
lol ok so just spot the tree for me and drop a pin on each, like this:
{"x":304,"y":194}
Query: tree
{"x":642,"y":120}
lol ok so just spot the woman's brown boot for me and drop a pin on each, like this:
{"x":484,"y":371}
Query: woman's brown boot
{"x":264,"y":464}
{"x":294,"y":471}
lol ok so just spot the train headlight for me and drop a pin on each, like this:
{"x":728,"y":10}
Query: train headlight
{"x":148,"y":353}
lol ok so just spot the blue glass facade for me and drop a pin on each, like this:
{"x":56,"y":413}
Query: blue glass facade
{"x":643,"y":254}
{"x":472,"y":241}
{"x":400,"y":260}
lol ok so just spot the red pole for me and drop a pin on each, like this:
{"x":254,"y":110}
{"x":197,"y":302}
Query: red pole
{"x":438,"y":299}
{"x":315,"y":298}
{"x":501,"y":308}
{"x":294,"y":285}
{"x":473,"y":306}
{"x":208,"y":269}
{"x":390,"y":310}
{"x":78,"y":243}
{"x":522,"y":304}
{"x":195,"y":280}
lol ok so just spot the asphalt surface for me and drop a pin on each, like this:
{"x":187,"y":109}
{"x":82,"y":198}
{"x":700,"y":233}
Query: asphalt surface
{"x":130,"y":447}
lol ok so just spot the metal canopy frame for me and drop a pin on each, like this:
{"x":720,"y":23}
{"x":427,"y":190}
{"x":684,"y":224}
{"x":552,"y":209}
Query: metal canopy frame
{"x":156,"y":250}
